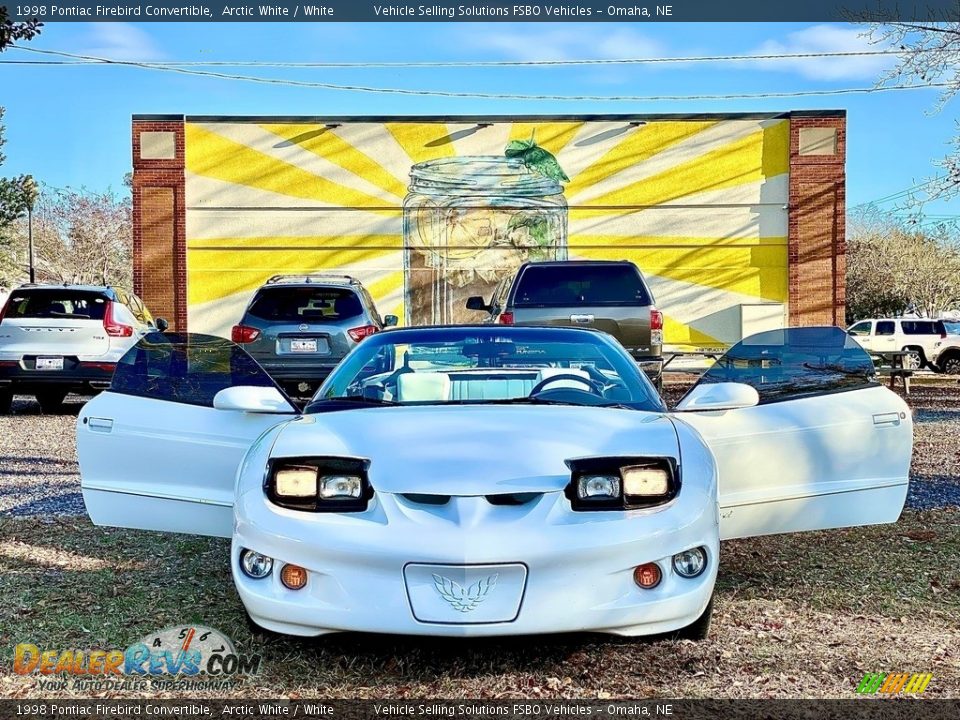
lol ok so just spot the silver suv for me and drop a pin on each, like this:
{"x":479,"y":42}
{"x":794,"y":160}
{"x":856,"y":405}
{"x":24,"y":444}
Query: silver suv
{"x":298,"y":327}
{"x":55,"y":339}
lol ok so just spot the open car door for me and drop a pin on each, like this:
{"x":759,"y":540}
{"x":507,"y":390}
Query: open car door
{"x":155,"y":453}
{"x":826,"y":446}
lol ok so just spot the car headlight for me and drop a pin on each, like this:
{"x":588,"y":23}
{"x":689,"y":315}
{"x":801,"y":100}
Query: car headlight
{"x":622,"y":483}
{"x":319,"y":484}
{"x":255,"y":565}
{"x":690,"y":563}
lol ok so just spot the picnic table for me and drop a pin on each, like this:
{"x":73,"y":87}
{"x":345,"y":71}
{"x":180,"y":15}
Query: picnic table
{"x":702,"y":353}
{"x":891,"y":365}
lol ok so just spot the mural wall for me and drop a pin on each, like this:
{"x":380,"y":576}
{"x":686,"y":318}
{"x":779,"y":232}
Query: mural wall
{"x":427,"y":214}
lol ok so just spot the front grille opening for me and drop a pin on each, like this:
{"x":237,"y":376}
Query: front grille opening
{"x":425,"y":499}
{"x":513,"y":498}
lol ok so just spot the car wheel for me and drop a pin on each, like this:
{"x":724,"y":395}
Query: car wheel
{"x":913,"y":360}
{"x":51,"y":401}
{"x":699,"y":628}
{"x":951,"y":366}
{"x":6,"y":401}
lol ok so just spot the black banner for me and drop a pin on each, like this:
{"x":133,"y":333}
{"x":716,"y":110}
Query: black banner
{"x":485,"y":11}
{"x":855,"y":709}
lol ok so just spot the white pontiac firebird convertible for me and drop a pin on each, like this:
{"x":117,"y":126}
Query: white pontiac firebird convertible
{"x":489,"y":480}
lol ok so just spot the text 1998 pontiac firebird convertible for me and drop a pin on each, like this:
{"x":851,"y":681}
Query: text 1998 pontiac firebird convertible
{"x":485,"y":480}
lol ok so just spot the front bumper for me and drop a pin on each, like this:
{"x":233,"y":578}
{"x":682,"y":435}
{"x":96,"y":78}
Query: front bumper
{"x":577,"y":567}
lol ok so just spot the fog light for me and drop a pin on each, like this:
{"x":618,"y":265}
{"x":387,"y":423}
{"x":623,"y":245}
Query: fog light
{"x":647,"y":576}
{"x":690,"y":563}
{"x":293,"y":577}
{"x":255,"y":565}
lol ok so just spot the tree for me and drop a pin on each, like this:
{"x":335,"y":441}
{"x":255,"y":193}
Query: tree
{"x":80,"y":236}
{"x":930,"y":54}
{"x":11,"y":31}
{"x":894,"y":268}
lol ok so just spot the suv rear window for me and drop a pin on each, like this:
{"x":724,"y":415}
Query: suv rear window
{"x":570,"y":285}
{"x":298,"y":305}
{"x":921,"y":327}
{"x":57,"y":304}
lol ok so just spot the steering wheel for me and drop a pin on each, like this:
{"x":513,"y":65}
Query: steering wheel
{"x":592,"y":385}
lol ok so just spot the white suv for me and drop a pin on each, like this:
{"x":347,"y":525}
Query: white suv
{"x":947,"y":352}
{"x":918,"y":336}
{"x":58,"y":338}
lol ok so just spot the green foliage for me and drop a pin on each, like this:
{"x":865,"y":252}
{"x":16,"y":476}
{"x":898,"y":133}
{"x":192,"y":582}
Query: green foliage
{"x":11,"y":31}
{"x":536,"y":158}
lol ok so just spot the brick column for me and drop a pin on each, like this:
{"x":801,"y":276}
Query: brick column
{"x":817,"y":213}
{"x":159,"y":217}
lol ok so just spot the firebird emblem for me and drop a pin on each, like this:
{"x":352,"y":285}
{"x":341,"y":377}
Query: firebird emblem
{"x":303,"y":328}
{"x":461,"y":598}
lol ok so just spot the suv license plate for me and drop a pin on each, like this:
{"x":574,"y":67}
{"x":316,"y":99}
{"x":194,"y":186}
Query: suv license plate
{"x":303,"y":346}
{"x":50,"y":363}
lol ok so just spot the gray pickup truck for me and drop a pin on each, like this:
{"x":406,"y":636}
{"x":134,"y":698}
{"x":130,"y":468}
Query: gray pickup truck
{"x":607,"y":295}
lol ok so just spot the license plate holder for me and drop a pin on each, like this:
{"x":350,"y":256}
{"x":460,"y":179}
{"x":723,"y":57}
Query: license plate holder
{"x":49,"y":363}
{"x":303,"y":346}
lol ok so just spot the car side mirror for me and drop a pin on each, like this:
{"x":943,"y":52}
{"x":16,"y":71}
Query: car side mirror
{"x":161,"y":324}
{"x":719,"y":396}
{"x":477,"y":303}
{"x":390,"y":320}
{"x":250,"y":399}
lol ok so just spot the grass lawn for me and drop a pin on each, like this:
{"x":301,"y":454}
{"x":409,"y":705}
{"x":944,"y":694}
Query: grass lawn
{"x":796,"y":616}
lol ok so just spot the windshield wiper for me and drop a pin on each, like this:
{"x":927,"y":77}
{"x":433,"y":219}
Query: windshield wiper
{"x":350,"y":402}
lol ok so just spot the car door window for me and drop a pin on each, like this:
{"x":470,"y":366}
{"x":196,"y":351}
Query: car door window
{"x":919,"y":327}
{"x":886,"y":327}
{"x":860,"y":329}
{"x":795,"y":362}
{"x":189,"y":369}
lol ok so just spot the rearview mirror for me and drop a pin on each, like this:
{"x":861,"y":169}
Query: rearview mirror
{"x":477,"y":303}
{"x":390,"y":320}
{"x":719,"y":396}
{"x":250,"y":399}
{"x":161,"y":324}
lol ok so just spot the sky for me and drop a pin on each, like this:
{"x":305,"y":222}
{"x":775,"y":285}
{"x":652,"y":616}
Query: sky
{"x":70,"y":126}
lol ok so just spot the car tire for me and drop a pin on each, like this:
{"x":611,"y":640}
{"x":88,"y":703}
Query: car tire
{"x":6,"y":402}
{"x":915,"y":360}
{"x":699,"y":628}
{"x":951,"y":364}
{"x":51,"y":401}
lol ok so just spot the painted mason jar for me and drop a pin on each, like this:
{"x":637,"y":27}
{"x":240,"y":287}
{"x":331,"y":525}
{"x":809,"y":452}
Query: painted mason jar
{"x":468,"y":222}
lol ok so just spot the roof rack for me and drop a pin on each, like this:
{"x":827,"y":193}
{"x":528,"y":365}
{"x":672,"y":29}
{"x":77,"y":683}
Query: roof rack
{"x":311,"y":278}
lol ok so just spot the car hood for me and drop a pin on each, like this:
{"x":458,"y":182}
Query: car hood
{"x":477,"y":450}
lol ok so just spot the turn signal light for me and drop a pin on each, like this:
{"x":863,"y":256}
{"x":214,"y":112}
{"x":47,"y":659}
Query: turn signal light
{"x":293,"y":577}
{"x":242,"y":334}
{"x":359,"y":333}
{"x":506,"y":318}
{"x":647,"y":576}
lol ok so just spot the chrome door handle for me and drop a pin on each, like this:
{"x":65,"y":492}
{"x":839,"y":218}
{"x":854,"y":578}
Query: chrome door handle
{"x":581,"y":318}
{"x":101,"y":425}
{"x":890,"y":418}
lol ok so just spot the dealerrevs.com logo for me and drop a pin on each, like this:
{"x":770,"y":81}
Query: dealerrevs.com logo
{"x":894,"y":683}
{"x":180,"y":657}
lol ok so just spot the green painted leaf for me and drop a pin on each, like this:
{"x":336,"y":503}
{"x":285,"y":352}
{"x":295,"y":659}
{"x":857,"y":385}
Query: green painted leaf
{"x":536,"y":158}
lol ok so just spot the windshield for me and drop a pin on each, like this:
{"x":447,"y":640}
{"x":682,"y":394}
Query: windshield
{"x":477,"y":365}
{"x":305,"y":305}
{"x":56,"y":303}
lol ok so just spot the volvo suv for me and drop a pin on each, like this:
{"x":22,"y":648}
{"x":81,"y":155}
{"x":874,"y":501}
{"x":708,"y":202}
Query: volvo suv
{"x":607,"y":295}
{"x":55,"y":339}
{"x":298,"y":327}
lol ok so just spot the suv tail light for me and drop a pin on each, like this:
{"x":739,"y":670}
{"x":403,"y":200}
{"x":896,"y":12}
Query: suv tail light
{"x":112,"y":327}
{"x":242,"y":334}
{"x":656,"y":320}
{"x":506,"y":318}
{"x":359,"y":333}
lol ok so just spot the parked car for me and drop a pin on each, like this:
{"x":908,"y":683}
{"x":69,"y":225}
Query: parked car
{"x":946,"y":356}
{"x":298,"y":327}
{"x":55,"y":339}
{"x":492,"y":480}
{"x":611,"y":296}
{"x":918,"y":336}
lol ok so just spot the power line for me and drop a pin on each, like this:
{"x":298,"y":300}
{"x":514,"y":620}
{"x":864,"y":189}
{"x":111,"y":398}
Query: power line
{"x":84,"y":60}
{"x":901,"y":193}
{"x":482,"y":95}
